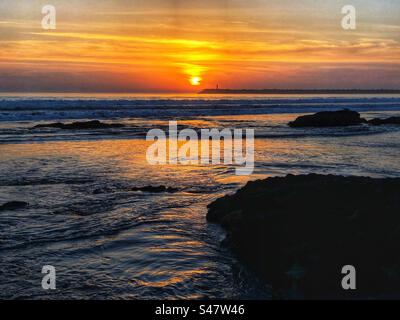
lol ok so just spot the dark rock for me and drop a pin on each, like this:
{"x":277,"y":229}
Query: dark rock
{"x":103,"y":190}
{"x":378,"y":122}
{"x":87,"y":125}
{"x":57,"y":125}
{"x":299,"y":231}
{"x":14,"y":205}
{"x":153,"y":189}
{"x":329,"y":119}
{"x":98,"y":191}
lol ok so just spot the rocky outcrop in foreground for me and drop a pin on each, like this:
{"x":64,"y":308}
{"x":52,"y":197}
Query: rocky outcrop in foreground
{"x":297,"y":232}
{"x":86,"y":125}
{"x":329,"y":119}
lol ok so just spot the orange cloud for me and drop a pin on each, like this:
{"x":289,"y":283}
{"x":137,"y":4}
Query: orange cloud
{"x":163,"y":48}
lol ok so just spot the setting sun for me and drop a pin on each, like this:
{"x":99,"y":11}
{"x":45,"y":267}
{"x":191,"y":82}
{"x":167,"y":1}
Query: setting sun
{"x":195,"y":81}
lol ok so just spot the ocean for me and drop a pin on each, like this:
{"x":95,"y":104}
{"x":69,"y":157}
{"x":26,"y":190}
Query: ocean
{"x":110,"y":241}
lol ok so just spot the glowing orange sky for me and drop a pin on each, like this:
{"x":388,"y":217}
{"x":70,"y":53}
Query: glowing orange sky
{"x":169,"y":45}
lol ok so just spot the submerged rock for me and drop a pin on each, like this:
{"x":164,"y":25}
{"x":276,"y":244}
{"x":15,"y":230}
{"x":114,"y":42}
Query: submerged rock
{"x":14,"y":205}
{"x":378,"y":122}
{"x":86,"y":125}
{"x":153,"y":189}
{"x":329,"y":119}
{"x":58,"y":125}
{"x":299,"y":232}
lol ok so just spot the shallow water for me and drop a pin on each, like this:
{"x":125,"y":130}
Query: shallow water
{"x":107,"y":241}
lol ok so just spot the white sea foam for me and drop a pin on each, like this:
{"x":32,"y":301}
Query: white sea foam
{"x":37,"y":109}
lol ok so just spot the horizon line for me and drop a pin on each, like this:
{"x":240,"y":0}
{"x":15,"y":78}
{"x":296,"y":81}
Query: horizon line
{"x":213,"y":91}
{"x":300,"y":91}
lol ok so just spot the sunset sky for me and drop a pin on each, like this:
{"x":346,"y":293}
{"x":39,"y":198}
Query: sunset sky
{"x":186,"y":45}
